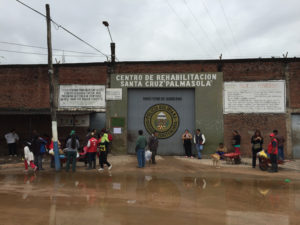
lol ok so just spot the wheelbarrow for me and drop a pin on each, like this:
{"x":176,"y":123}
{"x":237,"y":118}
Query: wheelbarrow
{"x":233,"y":157}
{"x":264,"y":160}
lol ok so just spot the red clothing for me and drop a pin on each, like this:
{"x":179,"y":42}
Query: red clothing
{"x":31,"y":165}
{"x":50,"y":146}
{"x":270,"y":146}
{"x":93,"y":145}
{"x":237,"y":150}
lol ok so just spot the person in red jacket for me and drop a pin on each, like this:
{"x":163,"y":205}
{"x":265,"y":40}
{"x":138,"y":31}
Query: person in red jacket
{"x":273,"y":151}
{"x":91,"y":151}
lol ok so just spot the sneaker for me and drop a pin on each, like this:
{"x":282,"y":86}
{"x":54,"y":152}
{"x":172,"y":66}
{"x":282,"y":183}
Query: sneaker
{"x":101,"y":169}
{"x":109,"y":168}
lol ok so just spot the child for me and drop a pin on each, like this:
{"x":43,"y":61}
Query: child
{"x":29,"y":158}
{"x":103,"y":143}
{"x":221,"y":150}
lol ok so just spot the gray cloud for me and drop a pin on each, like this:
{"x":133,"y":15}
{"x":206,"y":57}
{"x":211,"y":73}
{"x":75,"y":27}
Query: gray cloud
{"x":150,"y":30}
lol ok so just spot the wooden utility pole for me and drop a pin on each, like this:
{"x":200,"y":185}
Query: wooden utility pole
{"x":52,"y":91}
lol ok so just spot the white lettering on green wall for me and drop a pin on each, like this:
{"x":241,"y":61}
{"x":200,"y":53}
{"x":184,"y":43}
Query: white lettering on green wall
{"x":166,"y":80}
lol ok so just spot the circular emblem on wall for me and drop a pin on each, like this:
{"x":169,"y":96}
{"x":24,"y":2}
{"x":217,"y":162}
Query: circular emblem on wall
{"x":163,"y":118}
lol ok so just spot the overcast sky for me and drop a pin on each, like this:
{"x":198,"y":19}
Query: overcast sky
{"x":151,"y":29}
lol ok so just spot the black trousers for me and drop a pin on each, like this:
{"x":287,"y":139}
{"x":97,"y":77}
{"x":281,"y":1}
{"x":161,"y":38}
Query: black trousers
{"x":188,"y":149}
{"x":12,"y":148}
{"x":153,"y":156}
{"x":103,"y":159}
{"x":254,"y":152}
{"x":273,"y":158}
{"x":91,"y":159}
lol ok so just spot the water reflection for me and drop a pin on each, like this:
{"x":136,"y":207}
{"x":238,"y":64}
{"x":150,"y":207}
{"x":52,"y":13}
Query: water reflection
{"x":153,"y":198}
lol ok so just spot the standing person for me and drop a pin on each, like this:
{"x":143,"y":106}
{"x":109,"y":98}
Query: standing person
{"x":39,"y":149}
{"x":187,"y":143}
{"x":42,"y":144}
{"x":199,"y":141}
{"x":141,"y":144}
{"x":91,"y":152}
{"x":153,"y":145}
{"x":280,"y":140}
{"x":104,"y":142}
{"x":12,"y":139}
{"x":88,"y":136}
{"x":236,"y":141}
{"x":28,"y":157}
{"x":273,"y":151}
{"x":257,"y":142}
{"x":72,"y":148}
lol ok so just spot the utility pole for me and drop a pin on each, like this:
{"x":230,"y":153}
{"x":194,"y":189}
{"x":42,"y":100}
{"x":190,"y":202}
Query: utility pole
{"x":52,"y":90}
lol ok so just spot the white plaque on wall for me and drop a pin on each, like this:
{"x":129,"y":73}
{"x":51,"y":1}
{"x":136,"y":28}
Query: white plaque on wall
{"x":81,"y":96}
{"x":113,"y":93}
{"x":254,"y":97}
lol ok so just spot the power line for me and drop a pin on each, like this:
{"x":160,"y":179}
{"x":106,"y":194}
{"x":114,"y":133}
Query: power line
{"x":38,"y":47}
{"x":228,"y":24}
{"x":213,"y":22}
{"x":186,"y":27}
{"x":37,"y":53}
{"x":199,"y":24}
{"x":60,"y":26}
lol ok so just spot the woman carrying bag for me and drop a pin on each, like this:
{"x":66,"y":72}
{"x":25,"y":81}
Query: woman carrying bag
{"x":257,"y":142}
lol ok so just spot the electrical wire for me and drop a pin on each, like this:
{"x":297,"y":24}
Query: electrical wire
{"x":213,"y":22}
{"x":37,"y":53}
{"x":228,"y":24}
{"x":60,"y":26}
{"x":201,"y":27}
{"x":38,"y":47}
{"x":186,"y":27}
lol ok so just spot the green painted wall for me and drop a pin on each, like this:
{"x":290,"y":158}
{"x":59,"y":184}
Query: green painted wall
{"x":208,"y":102}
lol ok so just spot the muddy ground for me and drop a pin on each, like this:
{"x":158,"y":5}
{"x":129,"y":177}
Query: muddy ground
{"x":174,"y":191}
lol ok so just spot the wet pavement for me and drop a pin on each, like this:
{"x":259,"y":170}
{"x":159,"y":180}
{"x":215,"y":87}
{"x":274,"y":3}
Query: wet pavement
{"x":175,"y":191}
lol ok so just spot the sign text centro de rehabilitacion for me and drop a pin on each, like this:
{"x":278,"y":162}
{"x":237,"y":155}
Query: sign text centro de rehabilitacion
{"x":166,"y":80}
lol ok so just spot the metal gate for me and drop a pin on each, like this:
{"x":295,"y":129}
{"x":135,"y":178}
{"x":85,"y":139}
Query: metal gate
{"x":169,"y":111}
{"x":296,"y":136}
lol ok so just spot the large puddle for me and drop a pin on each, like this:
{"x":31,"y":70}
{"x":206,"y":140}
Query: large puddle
{"x":147,"y":197}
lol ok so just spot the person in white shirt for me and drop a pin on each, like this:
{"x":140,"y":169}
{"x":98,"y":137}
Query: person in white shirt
{"x":28,"y":157}
{"x":199,"y":140}
{"x":12,"y":139}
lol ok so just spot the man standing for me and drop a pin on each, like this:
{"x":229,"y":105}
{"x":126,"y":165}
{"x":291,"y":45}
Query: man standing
{"x":153,"y":145}
{"x":91,"y":151}
{"x":199,"y":141}
{"x":273,"y":151}
{"x":280,"y":140}
{"x":141,"y":143}
{"x":11,"y":139}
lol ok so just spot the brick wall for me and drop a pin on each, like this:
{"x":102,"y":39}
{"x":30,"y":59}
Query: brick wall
{"x":294,"y":71}
{"x":24,"y":87}
{"x":27,"y":86}
{"x":246,"y":124}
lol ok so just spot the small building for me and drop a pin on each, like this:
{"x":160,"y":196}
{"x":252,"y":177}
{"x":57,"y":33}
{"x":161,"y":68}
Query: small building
{"x":216,"y":96}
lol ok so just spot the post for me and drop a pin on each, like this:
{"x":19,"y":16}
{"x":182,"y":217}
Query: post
{"x":113,"y":53}
{"x":52,"y":90}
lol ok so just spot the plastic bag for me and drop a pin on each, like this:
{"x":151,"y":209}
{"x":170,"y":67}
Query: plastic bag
{"x":148,"y":155}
